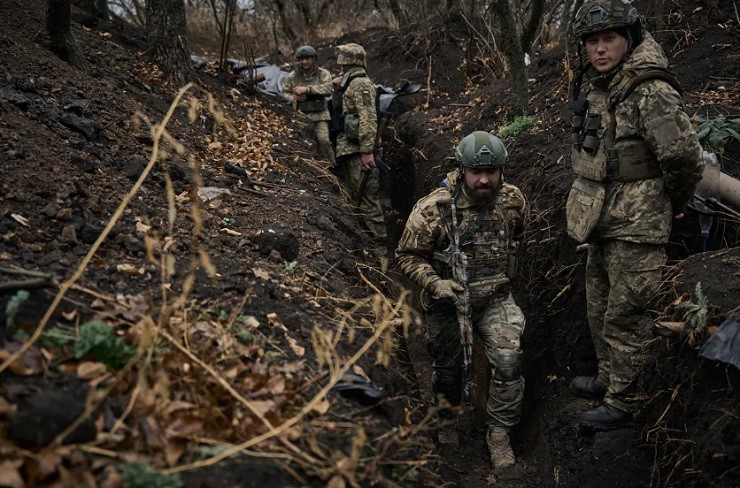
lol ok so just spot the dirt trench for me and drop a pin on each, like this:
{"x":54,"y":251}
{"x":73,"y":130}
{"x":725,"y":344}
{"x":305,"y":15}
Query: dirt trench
{"x":550,"y":447}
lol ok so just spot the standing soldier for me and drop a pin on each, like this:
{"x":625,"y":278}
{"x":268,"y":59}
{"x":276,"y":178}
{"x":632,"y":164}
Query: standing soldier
{"x":637,"y":161}
{"x":308,"y":86}
{"x":474,"y":223}
{"x":355,"y":94}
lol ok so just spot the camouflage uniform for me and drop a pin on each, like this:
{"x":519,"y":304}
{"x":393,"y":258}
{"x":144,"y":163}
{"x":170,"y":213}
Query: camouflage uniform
{"x":358,"y":100}
{"x":489,"y":237}
{"x":318,"y":82}
{"x":623,"y":202}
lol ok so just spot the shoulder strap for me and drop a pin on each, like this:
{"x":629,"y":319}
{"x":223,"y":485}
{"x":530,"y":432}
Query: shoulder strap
{"x":343,"y":88}
{"x":627,"y":85}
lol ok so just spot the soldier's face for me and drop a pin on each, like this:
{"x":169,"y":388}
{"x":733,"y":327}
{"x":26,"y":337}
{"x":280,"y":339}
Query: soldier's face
{"x":307,"y":63}
{"x":605,"y":50}
{"x":482,"y":184}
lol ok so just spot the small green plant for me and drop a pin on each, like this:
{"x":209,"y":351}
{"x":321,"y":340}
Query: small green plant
{"x":290,"y":267}
{"x":716,"y":132}
{"x":243,"y":336}
{"x":14,"y":306}
{"x":520,"y":124}
{"x":99,"y":339}
{"x":228,"y":222}
{"x":56,"y":337}
{"x":141,"y":475}
{"x":696,"y":314}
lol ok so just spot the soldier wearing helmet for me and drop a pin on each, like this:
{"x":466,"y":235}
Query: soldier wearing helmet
{"x":355,"y":93}
{"x":308,"y":85}
{"x":488,"y":217}
{"x":637,"y":163}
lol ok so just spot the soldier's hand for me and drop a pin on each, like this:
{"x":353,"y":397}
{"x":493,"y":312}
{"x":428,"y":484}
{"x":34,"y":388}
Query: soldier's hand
{"x":336,"y":81}
{"x":446,"y":289}
{"x":300,"y":92}
{"x":368,"y":161}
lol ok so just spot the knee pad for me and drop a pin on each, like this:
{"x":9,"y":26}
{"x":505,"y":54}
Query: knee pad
{"x":507,"y":365}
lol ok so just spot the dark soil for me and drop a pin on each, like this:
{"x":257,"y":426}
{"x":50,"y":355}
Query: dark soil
{"x":66,"y":176}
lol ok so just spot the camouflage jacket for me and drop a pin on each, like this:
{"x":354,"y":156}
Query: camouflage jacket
{"x":319,"y":86}
{"x":489,"y":237}
{"x":652,"y":116}
{"x":358,"y":98}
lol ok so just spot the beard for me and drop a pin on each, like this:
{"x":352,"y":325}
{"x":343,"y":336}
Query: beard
{"x":482,"y":195}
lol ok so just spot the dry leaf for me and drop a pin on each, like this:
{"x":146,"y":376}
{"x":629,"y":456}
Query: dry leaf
{"x":262,"y":406}
{"x":258,"y":273}
{"x":29,"y":363}
{"x":231,"y":232}
{"x":70,"y":316}
{"x":336,"y":481}
{"x":297,"y":348}
{"x":9,"y":474}
{"x":322,"y":407}
{"x":88,"y":370}
{"x":142,"y":228}
{"x":129,"y":269}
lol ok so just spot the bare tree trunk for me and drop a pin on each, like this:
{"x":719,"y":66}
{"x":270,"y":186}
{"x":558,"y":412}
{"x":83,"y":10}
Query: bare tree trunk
{"x":63,"y":42}
{"x":166,"y":35}
{"x":513,"y":49}
{"x":290,"y":33}
{"x":533,"y":24}
{"x":226,"y":29}
{"x":397,"y":13}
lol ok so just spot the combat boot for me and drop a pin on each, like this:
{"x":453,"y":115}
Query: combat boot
{"x":606,"y":417}
{"x":502,"y":456}
{"x":588,"y":386}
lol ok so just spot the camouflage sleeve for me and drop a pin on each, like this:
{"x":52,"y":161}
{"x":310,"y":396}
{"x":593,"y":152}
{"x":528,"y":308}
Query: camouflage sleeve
{"x":668,"y":132}
{"x":517,"y":210}
{"x":324,"y":87}
{"x":365,"y":102}
{"x":289,"y":84}
{"x":416,"y":247}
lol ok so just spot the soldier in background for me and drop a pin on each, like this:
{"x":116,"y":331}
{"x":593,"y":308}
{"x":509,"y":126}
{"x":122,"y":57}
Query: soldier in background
{"x":355,"y":93}
{"x":488,"y":217}
{"x":637,"y":161}
{"x":308,"y":86}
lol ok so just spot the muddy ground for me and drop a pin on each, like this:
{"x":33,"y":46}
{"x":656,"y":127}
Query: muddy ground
{"x":71,"y":151}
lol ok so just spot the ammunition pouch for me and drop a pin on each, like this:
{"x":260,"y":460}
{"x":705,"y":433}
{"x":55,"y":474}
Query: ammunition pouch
{"x":312,"y":104}
{"x":583,"y":208}
{"x":632,"y":161}
{"x":352,"y":127}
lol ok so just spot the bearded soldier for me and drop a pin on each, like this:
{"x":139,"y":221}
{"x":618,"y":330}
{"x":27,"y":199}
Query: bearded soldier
{"x":480,"y":219}
{"x":355,"y":94}
{"x":637,"y":162}
{"x":309,"y":85}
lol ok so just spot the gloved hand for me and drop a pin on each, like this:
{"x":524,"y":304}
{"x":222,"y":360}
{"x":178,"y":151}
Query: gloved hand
{"x":445,"y":289}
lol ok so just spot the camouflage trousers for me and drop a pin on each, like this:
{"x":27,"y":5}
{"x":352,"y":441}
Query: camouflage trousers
{"x":323,"y":144}
{"x":622,"y":279}
{"x":499,"y":325}
{"x":369,"y":210}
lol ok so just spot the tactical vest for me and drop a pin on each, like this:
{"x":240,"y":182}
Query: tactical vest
{"x":594,"y":125}
{"x":312,"y":103}
{"x":486,"y":240}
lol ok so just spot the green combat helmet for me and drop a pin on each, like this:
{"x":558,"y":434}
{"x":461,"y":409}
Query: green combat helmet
{"x":600,"y":15}
{"x":351,"y":55}
{"x":481,"y":150}
{"x":305,"y":52}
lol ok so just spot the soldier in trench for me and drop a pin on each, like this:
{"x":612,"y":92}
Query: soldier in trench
{"x":308,"y":85}
{"x":637,"y":162}
{"x":355,"y":93}
{"x":487,"y":215}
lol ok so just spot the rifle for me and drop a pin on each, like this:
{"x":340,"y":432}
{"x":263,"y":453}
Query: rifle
{"x":457,"y":260}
